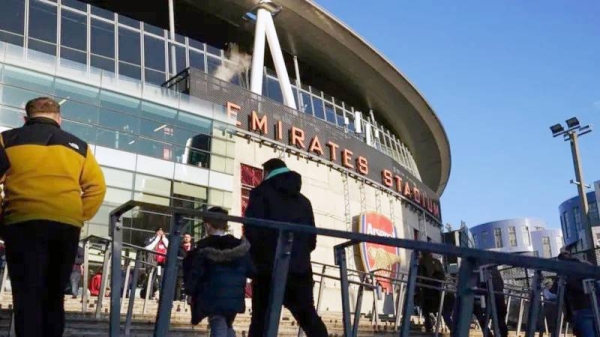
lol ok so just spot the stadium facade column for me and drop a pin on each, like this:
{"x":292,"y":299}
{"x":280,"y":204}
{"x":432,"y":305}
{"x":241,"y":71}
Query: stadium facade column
{"x":265,"y":28}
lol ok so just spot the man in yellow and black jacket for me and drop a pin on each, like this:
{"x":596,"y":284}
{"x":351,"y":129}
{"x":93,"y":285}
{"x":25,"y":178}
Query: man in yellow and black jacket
{"x":52,"y":184}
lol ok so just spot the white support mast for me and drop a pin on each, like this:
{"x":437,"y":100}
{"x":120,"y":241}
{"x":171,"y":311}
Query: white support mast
{"x":265,"y":28}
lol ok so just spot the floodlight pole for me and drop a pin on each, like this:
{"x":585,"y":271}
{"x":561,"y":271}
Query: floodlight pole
{"x":584,"y":207}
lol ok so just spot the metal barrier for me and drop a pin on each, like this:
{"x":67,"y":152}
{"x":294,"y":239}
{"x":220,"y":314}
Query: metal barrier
{"x":471,"y":259}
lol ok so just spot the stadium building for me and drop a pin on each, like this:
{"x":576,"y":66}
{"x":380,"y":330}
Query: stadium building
{"x":519,"y":236}
{"x":186,"y":115}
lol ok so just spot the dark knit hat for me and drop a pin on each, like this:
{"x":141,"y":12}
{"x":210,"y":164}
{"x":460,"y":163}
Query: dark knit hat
{"x":273,"y":164}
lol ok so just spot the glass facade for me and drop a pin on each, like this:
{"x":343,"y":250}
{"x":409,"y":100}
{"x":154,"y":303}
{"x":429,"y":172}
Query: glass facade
{"x":180,"y":130}
{"x":512,"y":236}
{"x":498,"y":237}
{"x":104,"y":41}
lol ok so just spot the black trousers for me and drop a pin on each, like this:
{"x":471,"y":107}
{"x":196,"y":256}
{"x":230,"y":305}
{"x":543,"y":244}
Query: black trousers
{"x":298,"y":299}
{"x":40,"y":257}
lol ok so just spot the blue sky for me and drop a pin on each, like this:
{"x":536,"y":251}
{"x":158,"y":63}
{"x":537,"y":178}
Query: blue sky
{"x":498,"y":74}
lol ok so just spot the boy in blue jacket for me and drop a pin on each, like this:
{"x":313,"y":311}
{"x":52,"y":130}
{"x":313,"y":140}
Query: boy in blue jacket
{"x":216,"y":272}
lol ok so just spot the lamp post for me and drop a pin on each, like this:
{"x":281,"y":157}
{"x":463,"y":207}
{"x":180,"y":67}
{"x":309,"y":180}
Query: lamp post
{"x":572,"y":133}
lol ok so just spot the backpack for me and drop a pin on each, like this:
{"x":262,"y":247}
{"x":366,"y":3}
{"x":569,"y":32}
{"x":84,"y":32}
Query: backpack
{"x":162,"y":249}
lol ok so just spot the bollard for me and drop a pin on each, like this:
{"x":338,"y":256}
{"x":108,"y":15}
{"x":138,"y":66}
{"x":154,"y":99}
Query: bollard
{"x":409,"y":305}
{"x":281,"y":266}
{"x":340,"y":260}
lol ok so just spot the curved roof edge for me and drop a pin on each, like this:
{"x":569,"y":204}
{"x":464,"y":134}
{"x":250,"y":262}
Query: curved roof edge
{"x":423,"y":107}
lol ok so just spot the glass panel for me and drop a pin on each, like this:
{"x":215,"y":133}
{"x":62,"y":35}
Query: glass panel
{"x":307,"y":107}
{"x":192,"y":156}
{"x":103,"y":13}
{"x":129,"y":46}
{"x":213,"y":50}
{"x":17,"y":98}
{"x":193,"y":122}
{"x":75,"y":4}
{"x":10,"y":117}
{"x":154,"y":53}
{"x":196,"y":44}
{"x":28,"y":79}
{"x":213,"y":64}
{"x":180,"y":59}
{"x":156,"y":130}
{"x":153,"y":29}
{"x":42,"y":21}
{"x":129,"y":22}
{"x":197,"y":60}
{"x":73,"y":55}
{"x":11,"y":38}
{"x":118,"y":121}
{"x":118,"y":178}
{"x":318,"y":106}
{"x":103,"y":38}
{"x":76,"y":91}
{"x":158,"y":112}
{"x":43,"y":47}
{"x":155,"y":77}
{"x":274,"y":90}
{"x":83,"y":131}
{"x":12,"y":16}
{"x":74,"y":30}
{"x":190,"y":190}
{"x":330,"y":112}
{"x":216,"y":197}
{"x":103,"y":63}
{"x":75,"y":111}
{"x":129,"y":71}
{"x":156,"y":149}
{"x":118,"y":102}
{"x":117,"y":196}
{"x":116,"y":140}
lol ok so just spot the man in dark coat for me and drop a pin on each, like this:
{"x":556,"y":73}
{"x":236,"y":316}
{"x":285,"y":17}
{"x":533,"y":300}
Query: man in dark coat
{"x":278,"y":198}
{"x":215,"y":275}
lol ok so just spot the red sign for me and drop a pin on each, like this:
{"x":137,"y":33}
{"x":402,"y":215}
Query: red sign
{"x":380,"y":259}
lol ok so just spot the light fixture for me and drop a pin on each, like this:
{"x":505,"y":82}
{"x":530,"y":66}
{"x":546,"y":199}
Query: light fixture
{"x":556,"y":129}
{"x":572,"y":122}
{"x":160,"y":127}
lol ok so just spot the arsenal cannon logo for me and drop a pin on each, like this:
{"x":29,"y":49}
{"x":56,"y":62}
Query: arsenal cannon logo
{"x":381,"y":260}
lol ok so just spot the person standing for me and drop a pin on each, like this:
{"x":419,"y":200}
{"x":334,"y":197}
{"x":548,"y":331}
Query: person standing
{"x":52,"y":184}
{"x":186,"y":246}
{"x":278,"y":198}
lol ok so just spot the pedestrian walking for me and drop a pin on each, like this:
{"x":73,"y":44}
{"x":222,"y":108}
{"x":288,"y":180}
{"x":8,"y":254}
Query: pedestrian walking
{"x":215,"y":276}
{"x":278,"y":198}
{"x":52,"y":184}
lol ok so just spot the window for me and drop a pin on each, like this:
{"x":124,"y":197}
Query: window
{"x":475,"y":241}
{"x":593,"y":213}
{"x":274,"y":90}
{"x":512,"y":236}
{"x":577,"y":218}
{"x":154,"y":53}
{"x":498,"y":237}
{"x":526,"y":237}
{"x":318,"y":108}
{"x":559,"y":242}
{"x":74,"y":30}
{"x":251,"y":177}
{"x":42,"y":21}
{"x":103,"y":39}
{"x":12,"y":16}
{"x":129,"y":46}
{"x":536,"y":253}
{"x":197,"y":60}
{"x":82,"y":6}
{"x":567,"y":224}
{"x":546,"y":247}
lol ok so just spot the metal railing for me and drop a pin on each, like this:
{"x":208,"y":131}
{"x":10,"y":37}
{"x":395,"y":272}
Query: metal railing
{"x":471,"y":259}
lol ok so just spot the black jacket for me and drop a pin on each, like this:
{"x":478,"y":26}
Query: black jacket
{"x":279,"y":199}
{"x":215,"y":275}
{"x":575,"y":296}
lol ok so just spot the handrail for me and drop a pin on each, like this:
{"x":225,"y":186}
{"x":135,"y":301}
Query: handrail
{"x":484,"y":256}
{"x":471,"y":260}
